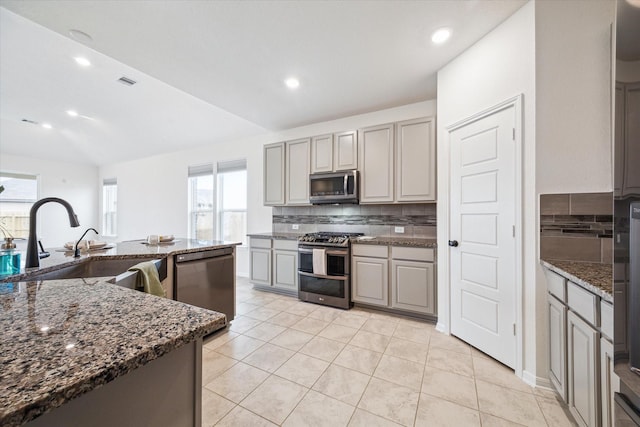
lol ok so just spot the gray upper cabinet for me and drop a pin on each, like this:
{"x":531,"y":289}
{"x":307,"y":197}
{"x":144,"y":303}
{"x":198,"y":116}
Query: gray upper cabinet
{"x":297,"y":172}
{"x":322,"y":153}
{"x":415,"y":178}
{"x":375,"y":162}
{"x":345,"y":151}
{"x":274,"y":176}
{"x":631,"y":183}
{"x":334,"y":152}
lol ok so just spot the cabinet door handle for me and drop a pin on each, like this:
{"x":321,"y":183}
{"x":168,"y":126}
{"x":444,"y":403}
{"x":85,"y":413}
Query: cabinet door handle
{"x":453,"y":243}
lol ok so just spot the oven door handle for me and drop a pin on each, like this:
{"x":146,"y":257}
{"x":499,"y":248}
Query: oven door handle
{"x":329,"y":252}
{"x":304,"y":273}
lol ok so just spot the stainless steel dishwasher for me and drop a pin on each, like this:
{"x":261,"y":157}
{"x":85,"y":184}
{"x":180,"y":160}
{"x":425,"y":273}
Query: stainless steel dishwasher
{"x":207,"y":279}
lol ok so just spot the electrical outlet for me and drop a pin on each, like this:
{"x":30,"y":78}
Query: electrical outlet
{"x":399,"y":229}
{"x":295,"y":226}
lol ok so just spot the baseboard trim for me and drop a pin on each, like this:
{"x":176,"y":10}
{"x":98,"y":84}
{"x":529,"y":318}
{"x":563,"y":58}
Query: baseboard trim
{"x":441,"y":327}
{"x":535,"y":381}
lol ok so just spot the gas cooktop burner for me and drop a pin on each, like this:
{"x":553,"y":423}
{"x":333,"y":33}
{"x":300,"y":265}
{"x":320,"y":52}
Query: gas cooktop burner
{"x":327,"y":238}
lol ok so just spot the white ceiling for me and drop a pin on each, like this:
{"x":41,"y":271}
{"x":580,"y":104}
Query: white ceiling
{"x":213,"y":71}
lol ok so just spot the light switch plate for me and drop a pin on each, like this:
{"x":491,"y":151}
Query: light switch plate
{"x":295,"y":226}
{"x":399,"y":230}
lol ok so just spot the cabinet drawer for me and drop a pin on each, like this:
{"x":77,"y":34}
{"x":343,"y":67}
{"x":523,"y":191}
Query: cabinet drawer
{"x":412,"y":254}
{"x":583,"y":302}
{"x":260,"y":243}
{"x":606,"y":319}
{"x":285,"y":245}
{"x":370,"y":251}
{"x":557,"y":285}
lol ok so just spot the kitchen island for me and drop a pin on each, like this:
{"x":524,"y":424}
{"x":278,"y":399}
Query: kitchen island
{"x":88,"y":352}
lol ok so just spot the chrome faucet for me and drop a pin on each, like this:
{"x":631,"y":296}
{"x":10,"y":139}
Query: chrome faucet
{"x":32,"y":243}
{"x":76,"y":252}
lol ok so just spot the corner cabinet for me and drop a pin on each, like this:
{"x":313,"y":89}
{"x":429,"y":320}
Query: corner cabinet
{"x":274,"y":175}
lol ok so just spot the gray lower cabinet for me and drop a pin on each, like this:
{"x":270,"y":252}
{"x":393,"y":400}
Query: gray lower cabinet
{"x":398,"y":278}
{"x":412,"y":286}
{"x":557,"y":345}
{"x":606,"y":382}
{"x":260,"y":266}
{"x":581,"y":350}
{"x":274,"y":264}
{"x":582,"y":355}
{"x":370,"y":280}
{"x":285,"y":269}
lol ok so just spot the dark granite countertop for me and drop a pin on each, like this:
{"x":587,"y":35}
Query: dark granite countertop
{"x":278,"y":236}
{"x":63,"y":338}
{"x":594,"y":277}
{"x":122,"y":250}
{"x":396,"y":241}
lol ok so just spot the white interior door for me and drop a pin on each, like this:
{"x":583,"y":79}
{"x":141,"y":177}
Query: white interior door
{"x":483,"y":219}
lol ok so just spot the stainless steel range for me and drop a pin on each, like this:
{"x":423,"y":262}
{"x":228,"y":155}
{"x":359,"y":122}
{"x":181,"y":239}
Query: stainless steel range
{"x":324,"y":260}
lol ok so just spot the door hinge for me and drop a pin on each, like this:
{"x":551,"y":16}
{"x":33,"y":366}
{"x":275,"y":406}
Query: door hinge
{"x":514,"y":133}
{"x":514,"y":329}
{"x":513,"y":230}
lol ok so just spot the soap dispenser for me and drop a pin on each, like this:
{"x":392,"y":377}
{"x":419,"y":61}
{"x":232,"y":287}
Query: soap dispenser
{"x":9,"y":257}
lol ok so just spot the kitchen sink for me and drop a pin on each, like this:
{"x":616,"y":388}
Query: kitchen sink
{"x":101,"y":267}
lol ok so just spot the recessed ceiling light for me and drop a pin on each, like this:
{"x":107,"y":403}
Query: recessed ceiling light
{"x":440,"y":36}
{"x":292,"y":83}
{"x":47,"y":126}
{"x":80,"y":36}
{"x":84,"y":62}
{"x":72,"y":113}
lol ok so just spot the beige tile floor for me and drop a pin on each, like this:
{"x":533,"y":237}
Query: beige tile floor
{"x":285,"y":362}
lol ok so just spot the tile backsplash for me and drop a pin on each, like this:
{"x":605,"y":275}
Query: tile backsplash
{"x":418,"y":220}
{"x":576,"y":227}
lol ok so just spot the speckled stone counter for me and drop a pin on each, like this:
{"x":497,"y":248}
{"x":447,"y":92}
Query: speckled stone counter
{"x":396,"y":241}
{"x":594,"y":277}
{"x":277,"y":236}
{"x":63,"y":338}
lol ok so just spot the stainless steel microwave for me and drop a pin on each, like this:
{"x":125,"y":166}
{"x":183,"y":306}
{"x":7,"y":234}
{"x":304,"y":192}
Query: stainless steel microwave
{"x":334,"y":187}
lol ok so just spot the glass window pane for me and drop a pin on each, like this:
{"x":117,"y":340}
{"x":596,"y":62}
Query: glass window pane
{"x":109,"y":209}
{"x":201,"y":207}
{"x":19,"y":194}
{"x":232,"y":206}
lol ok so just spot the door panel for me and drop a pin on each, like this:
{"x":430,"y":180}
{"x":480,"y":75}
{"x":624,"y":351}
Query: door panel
{"x":483,"y":275}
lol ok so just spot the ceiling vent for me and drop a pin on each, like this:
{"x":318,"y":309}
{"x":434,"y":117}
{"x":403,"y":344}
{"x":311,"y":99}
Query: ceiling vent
{"x":126,"y":81}
{"x":30,"y":121}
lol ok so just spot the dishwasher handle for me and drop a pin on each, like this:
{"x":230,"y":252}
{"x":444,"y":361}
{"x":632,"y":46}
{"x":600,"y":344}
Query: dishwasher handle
{"x":212,"y":253}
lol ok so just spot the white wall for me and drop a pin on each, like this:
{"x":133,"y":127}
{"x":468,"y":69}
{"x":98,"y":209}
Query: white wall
{"x":497,"y":68}
{"x":75,"y":183}
{"x":557,"y":54}
{"x":152,"y":192}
